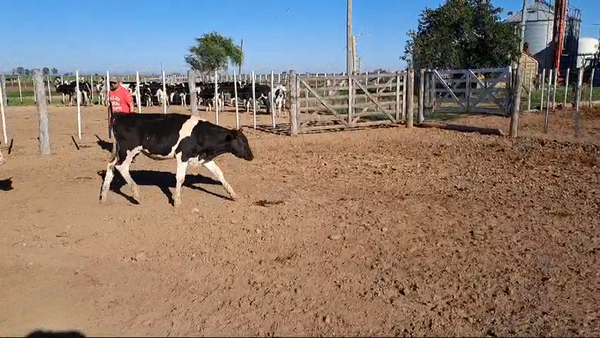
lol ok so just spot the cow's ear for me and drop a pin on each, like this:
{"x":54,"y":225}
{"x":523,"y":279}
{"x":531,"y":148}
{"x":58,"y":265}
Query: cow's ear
{"x":239,"y":132}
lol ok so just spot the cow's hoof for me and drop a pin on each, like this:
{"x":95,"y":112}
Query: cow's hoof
{"x":177,"y":203}
{"x":136,"y":193}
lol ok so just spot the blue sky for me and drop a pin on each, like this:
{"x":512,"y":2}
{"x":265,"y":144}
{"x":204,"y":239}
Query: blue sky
{"x":304,"y":35}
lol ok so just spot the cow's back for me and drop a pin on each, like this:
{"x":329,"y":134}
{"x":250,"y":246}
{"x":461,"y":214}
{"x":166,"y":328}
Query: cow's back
{"x":155,"y":133}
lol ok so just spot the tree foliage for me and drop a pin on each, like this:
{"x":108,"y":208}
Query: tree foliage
{"x":22,"y":71}
{"x":462,"y":34}
{"x":214,"y":52}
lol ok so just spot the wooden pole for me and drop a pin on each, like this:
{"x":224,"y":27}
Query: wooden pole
{"x":237,"y":109}
{"x":566,"y":88}
{"x":138,"y":95}
{"x":592,"y":87}
{"x":411,"y":102}
{"x":578,"y":130}
{"x":92,"y":89}
{"x":4,"y":93}
{"x":216,"y":99}
{"x":518,"y":81}
{"x":78,"y":93}
{"x":273,"y":119}
{"x":398,"y":104}
{"x":107,"y":85}
{"x":49,"y":89}
{"x":547,"y":115}
{"x":404,"y":97}
{"x":254,"y":98}
{"x":164,"y":87}
{"x":42,"y":108}
{"x":293,"y":114}
{"x":422,"y":97}
{"x":3,"y":116}
{"x":20,"y":91}
{"x":62,"y":81}
{"x":349,"y":61}
{"x":554,"y":86}
{"x":543,"y":85}
{"x":529,"y":91}
{"x":193,"y":96}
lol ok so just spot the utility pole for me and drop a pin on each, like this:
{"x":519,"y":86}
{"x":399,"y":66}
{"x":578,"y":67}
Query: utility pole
{"x":350,"y":62}
{"x":349,"y":51}
{"x":518,"y":83}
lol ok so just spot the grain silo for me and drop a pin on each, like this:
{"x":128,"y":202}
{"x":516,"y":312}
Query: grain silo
{"x":539,"y":27}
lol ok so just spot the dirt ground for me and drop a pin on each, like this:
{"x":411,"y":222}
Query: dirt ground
{"x":377,"y":232}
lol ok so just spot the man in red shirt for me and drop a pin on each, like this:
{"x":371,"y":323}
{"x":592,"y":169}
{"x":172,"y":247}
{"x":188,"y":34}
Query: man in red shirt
{"x":120,"y":99}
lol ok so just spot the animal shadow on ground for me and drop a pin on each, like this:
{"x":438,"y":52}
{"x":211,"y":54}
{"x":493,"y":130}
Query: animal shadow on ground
{"x":103,"y":144}
{"x":6,"y":185}
{"x":164,"y":180}
{"x":465,"y":129}
{"x":55,"y":334}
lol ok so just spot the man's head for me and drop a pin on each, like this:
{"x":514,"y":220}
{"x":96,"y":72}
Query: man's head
{"x":115,"y":81}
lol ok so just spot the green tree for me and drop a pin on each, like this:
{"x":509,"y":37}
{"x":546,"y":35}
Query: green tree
{"x":214,"y":52}
{"x":462,"y":34}
{"x":54,"y":71}
{"x":45,"y":71}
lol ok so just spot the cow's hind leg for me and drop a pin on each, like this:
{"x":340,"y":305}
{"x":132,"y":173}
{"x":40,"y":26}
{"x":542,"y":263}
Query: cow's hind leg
{"x":180,"y":178}
{"x":110,"y":174}
{"x":123,"y":169}
{"x":215,"y":170}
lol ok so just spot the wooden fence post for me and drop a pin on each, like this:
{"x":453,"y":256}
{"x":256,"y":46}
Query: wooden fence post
{"x":516,"y":102}
{"x":578,"y":93}
{"x":398,"y":103}
{"x":4,"y":94}
{"x":410,"y":93}
{"x":42,"y":108}
{"x":3,"y":116}
{"x":592,"y":87}
{"x":193,"y":97}
{"x":421,"y":117}
{"x":294,"y":94}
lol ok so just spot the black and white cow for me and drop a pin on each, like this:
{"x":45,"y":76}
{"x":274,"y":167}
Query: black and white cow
{"x":280,"y":93}
{"x":189,"y":139}
{"x":70,"y":89}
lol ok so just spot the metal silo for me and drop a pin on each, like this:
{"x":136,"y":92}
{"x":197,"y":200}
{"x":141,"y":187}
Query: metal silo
{"x":539,"y":26}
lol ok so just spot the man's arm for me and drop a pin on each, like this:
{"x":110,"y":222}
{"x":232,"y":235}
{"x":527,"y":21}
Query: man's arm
{"x":130,"y":102}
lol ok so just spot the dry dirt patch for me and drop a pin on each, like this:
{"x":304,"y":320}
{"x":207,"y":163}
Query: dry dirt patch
{"x":372,"y":232}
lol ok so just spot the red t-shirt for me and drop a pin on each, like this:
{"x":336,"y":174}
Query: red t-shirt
{"x":121,"y":100}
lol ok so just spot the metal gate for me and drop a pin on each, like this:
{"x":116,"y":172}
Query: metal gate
{"x":480,"y":91}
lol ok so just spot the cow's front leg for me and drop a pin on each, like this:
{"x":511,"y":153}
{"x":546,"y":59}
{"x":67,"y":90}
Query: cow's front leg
{"x":215,"y":170}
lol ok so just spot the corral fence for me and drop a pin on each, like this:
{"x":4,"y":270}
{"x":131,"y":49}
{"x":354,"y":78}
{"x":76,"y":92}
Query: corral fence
{"x":342,"y":102}
{"x":472,"y":91}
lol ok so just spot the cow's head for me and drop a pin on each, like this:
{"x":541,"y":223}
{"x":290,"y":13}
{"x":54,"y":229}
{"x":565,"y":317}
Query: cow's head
{"x":239,"y":144}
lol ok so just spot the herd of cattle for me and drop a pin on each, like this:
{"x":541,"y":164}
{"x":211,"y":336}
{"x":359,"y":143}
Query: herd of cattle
{"x":151,"y":93}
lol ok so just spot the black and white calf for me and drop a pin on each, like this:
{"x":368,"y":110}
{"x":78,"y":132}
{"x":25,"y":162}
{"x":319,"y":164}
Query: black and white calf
{"x":189,"y":139}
